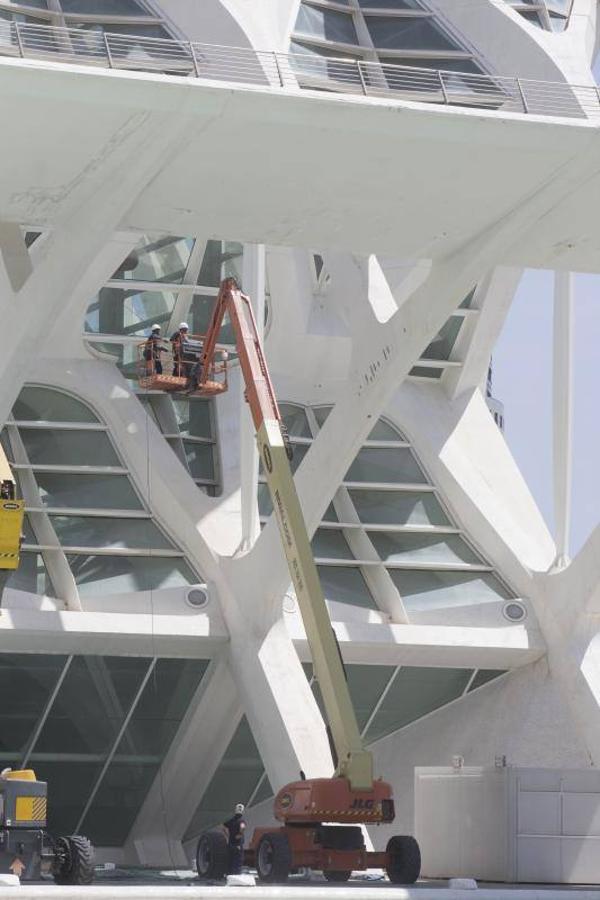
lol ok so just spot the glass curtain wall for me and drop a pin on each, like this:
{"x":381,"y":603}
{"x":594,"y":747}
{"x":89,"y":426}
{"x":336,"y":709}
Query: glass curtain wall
{"x":389,"y":32}
{"x":81,"y":505}
{"x":96,"y":728}
{"x":164,"y":280}
{"x":388,"y":519}
{"x":551,"y":15}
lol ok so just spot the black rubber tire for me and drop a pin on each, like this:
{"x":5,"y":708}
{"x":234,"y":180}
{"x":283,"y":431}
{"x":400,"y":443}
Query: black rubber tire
{"x":273,"y":858}
{"x":212,"y":855}
{"x":74,"y":860}
{"x":337,"y":874}
{"x":404,"y":866}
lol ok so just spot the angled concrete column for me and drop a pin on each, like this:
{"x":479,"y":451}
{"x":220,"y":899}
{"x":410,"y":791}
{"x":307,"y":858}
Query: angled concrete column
{"x":562,"y":385}
{"x":196,"y":751}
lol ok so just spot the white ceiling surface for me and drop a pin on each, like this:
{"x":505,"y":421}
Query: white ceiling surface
{"x":307,"y":170}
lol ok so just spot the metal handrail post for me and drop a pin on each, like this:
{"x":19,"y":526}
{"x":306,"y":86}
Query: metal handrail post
{"x":278,"y":70}
{"x":362,"y":77}
{"x":108,"y":53}
{"x":523,"y":97}
{"x":19,"y":40}
{"x":443,"y":87}
{"x":194,"y":60}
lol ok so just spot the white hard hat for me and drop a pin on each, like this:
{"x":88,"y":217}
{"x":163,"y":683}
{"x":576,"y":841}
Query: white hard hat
{"x":155,"y":328}
{"x":184,"y":325}
{"x":239,"y":808}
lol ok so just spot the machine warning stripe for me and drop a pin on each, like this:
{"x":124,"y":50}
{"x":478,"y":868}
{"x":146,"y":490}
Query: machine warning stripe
{"x":30,"y":809}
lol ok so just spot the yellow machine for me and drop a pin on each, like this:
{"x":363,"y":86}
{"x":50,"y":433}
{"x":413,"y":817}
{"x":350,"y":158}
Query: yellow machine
{"x":11,"y":517}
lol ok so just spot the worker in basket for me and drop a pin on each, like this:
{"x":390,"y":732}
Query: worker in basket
{"x":180,"y":368}
{"x":152,"y":351}
{"x":236,"y":826}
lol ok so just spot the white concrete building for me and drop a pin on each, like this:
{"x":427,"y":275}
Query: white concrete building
{"x":379,"y":205}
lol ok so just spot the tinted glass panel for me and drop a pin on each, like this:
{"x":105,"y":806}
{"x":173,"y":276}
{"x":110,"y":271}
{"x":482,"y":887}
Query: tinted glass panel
{"x":155,"y":258}
{"x":295,"y":420}
{"x":414,"y":693}
{"x":439,"y":548}
{"x":436,"y":590}
{"x":483,"y":676}
{"x":330,"y":544}
{"x":99,"y":575}
{"x":94,"y":491}
{"x":345,"y":585}
{"x":68,"y":448}
{"x":116,"y":311}
{"x":26,"y":682}
{"x":385,"y":466}
{"x":35,"y":404}
{"x":398,"y":508}
{"x":408,"y":34}
{"x":94,"y":531}
{"x":326,"y":23}
{"x":31,"y":576}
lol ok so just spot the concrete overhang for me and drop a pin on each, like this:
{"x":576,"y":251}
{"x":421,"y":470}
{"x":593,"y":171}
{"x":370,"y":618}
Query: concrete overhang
{"x":429,"y":645}
{"x":301,"y":168}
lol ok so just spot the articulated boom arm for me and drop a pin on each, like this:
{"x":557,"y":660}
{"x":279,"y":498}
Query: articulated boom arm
{"x":354,"y":762}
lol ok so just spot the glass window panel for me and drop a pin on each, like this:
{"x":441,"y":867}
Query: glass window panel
{"x":91,"y":704}
{"x":43,"y":404}
{"x":423,"y":548}
{"x":345,"y":584}
{"x":382,"y":431}
{"x":97,"y":576}
{"x":445,"y":63}
{"x":321,"y":413}
{"x":117,"y":802}
{"x":30,"y":537}
{"x":199,"y":317}
{"x":234,"y":781}
{"x":116,"y":311}
{"x":468,"y":301}
{"x":163,"y":258}
{"x":194,"y":417}
{"x":163,"y":704}
{"x":441,"y":346}
{"x":222,"y":259}
{"x":103,"y":7}
{"x":414,"y":693}
{"x":26,"y":681}
{"x":423,"y":590}
{"x":366,"y":684}
{"x":6,"y":446}
{"x":408,"y":34}
{"x":68,"y":448}
{"x":330,"y":544}
{"x":263,"y":793}
{"x":425,"y":372}
{"x":382,"y":465}
{"x":83,"y":491}
{"x":69,"y":786}
{"x":294,"y":418}
{"x":313,"y":61}
{"x":31,"y":576}
{"x":484,"y":675}
{"x":200,"y":460}
{"x":390,"y":4}
{"x":299,"y":450}
{"x":265,"y":504}
{"x":326,"y":23}
{"x":95,"y":531}
{"x":124,"y":357}
{"x":398,"y":508}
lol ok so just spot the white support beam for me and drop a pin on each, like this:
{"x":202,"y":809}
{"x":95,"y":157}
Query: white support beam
{"x":562,"y":385}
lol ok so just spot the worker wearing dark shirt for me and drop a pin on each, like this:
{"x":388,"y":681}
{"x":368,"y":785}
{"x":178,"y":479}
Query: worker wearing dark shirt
{"x":152,"y":351}
{"x":236,"y":826}
{"x":180,"y":368}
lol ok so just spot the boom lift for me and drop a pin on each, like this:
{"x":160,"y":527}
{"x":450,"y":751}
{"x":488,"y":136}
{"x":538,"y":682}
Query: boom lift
{"x":26,"y":849}
{"x":352,"y":796}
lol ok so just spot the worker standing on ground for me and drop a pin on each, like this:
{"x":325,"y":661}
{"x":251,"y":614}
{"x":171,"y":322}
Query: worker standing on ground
{"x":236,"y":826}
{"x":152,"y":351}
{"x":180,"y":369}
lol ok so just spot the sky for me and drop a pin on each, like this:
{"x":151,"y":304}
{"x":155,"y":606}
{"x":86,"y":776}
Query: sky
{"x":523,"y":382}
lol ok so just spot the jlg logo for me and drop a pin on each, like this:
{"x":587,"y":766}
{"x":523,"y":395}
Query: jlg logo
{"x":362,"y":804}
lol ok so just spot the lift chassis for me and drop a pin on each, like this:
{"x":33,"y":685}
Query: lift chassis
{"x":352,"y":797}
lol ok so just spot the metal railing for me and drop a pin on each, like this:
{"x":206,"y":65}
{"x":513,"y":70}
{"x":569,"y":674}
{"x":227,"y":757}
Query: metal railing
{"x":284,"y":71}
